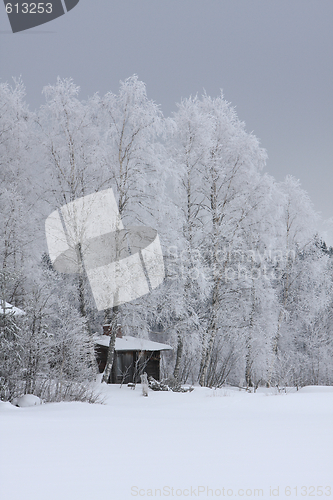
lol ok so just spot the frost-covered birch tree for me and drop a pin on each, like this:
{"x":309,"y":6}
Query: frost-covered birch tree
{"x":129,"y":124}
{"x":186,"y":147}
{"x":296,"y":232}
{"x":16,"y":196}
{"x":71,"y":154}
{"x":231,"y":171}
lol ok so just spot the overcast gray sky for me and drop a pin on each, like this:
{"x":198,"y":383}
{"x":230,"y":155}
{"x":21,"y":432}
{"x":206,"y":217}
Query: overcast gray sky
{"x":273,"y":59}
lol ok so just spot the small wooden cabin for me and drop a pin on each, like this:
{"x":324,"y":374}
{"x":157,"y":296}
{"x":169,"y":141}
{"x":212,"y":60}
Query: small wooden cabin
{"x":133,"y":356}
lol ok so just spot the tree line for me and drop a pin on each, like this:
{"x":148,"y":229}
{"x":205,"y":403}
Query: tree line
{"x":247,"y":295}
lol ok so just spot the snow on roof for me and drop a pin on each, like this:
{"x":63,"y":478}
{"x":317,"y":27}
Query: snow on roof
{"x":128,"y":343}
{"x":11,"y":309}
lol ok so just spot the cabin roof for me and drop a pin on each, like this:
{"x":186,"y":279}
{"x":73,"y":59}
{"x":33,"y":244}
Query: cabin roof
{"x":128,"y":343}
{"x":10,"y":309}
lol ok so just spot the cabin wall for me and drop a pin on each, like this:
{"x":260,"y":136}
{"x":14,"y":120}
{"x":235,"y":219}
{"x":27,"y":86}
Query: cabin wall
{"x":101,"y":354}
{"x":129,"y":365}
{"x":153,"y":364}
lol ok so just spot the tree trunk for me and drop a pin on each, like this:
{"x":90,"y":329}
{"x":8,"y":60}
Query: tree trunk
{"x":207,"y":354}
{"x":81,"y":280}
{"x":212,"y":328}
{"x":180,"y":346}
{"x":248,"y":365}
{"x":211,"y":333}
{"x":109,"y":361}
{"x":275,"y":349}
{"x":248,"y":357}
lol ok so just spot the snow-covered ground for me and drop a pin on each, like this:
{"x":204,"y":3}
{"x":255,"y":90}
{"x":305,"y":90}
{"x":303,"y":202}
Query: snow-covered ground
{"x":203,"y":444}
